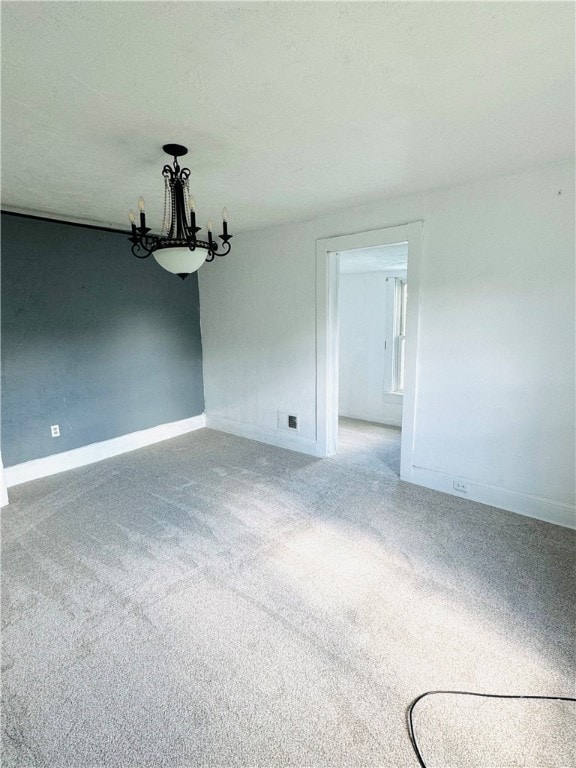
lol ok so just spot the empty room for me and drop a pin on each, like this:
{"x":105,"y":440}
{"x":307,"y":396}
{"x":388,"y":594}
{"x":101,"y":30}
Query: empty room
{"x":288,"y":385}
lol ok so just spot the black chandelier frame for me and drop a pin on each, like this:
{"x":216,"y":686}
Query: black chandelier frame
{"x":179,"y":232}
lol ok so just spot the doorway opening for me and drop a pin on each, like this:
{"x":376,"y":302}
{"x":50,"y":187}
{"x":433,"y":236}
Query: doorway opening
{"x":372,"y":306}
{"x":391,"y":401}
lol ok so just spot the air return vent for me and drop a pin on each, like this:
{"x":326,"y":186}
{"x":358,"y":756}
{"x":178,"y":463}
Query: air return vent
{"x":288,"y":421}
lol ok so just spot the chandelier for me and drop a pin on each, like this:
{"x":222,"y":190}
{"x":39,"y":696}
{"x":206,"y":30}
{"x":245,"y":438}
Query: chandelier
{"x":177,"y":249}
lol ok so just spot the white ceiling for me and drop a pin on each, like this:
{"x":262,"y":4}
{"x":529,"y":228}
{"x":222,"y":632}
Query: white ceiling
{"x":379,"y":259}
{"x":289,"y":109}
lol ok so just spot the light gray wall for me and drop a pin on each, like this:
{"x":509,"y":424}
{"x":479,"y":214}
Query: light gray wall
{"x":364,"y":364}
{"x":495,"y":375}
{"x":94,"y":340}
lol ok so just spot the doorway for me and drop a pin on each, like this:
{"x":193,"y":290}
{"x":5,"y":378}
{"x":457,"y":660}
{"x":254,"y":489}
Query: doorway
{"x":372,"y":300}
{"x":328,"y":258}
{"x":372,"y":303}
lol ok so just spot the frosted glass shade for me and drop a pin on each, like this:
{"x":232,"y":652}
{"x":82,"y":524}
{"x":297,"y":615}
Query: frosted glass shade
{"x":180,"y":261}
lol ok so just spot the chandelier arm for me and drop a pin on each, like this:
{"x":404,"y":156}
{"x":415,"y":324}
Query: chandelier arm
{"x":144,"y":242}
{"x":226,"y":249}
{"x":211,"y":248}
{"x":138,"y":247}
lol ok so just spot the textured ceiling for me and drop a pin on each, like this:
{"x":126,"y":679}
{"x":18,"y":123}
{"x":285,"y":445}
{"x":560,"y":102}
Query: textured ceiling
{"x":289,"y":109}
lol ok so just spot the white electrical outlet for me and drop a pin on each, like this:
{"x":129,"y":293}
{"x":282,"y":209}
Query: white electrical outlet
{"x":55,"y":430}
{"x":460,"y":485}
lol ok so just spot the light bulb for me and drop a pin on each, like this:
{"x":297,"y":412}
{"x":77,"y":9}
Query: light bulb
{"x":209,"y":227}
{"x":225,"y":214}
{"x":141,"y":204}
{"x":192,"y":204}
{"x":131,"y":217}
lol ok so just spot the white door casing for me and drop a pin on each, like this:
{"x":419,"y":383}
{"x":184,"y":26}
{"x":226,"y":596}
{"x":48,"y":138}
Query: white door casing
{"x":327,"y":333}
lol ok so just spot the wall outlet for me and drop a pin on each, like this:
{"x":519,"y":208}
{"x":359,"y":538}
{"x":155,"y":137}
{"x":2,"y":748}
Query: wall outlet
{"x":55,"y":430}
{"x":460,"y":485}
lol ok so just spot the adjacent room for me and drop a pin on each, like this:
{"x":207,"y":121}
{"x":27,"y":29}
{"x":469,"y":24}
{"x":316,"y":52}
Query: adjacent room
{"x":288,"y":385}
{"x":372,"y":298}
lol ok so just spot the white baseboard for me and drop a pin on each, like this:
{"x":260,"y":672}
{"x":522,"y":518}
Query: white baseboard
{"x":279,"y":438}
{"x":513,"y":501}
{"x":502,"y":498}
{"x":3,"y":486}
{"x":88,"y":454}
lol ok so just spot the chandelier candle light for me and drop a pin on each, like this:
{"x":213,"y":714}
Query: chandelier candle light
{"x":177,"y":249}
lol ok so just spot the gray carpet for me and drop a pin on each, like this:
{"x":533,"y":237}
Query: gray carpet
{"x":211,"y":601}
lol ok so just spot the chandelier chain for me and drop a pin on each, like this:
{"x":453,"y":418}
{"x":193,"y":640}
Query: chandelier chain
{"x":165,"y":214}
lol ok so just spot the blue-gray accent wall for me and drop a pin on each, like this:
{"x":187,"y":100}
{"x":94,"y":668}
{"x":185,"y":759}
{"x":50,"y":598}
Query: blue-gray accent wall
{"x":94,"y":340}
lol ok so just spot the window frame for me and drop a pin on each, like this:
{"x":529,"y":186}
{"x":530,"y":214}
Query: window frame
{"x":394,"y":332}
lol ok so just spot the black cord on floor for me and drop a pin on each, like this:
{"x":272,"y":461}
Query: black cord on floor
{"x":467,"y":693}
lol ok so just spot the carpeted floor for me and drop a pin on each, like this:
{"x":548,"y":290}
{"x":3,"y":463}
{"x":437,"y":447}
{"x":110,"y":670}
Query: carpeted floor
{"x":211,"y":601}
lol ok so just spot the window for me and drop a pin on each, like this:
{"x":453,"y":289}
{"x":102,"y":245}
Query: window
{"x":395,"y":346}
{"x":400,"y":335}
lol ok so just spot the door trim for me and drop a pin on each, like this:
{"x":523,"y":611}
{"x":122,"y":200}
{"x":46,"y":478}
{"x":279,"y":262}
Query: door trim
{"x":327,"y":333}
